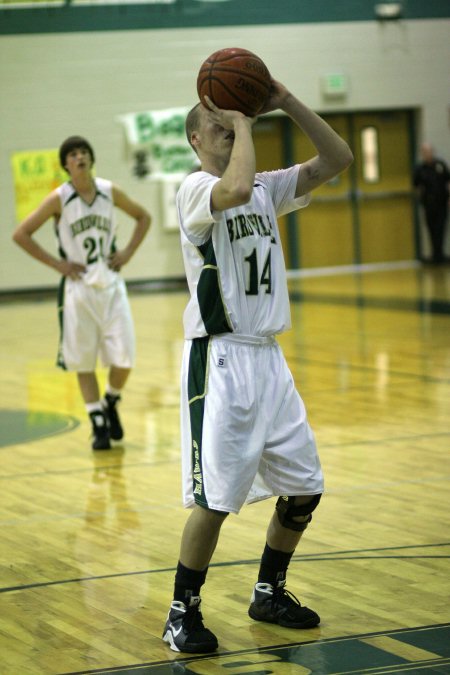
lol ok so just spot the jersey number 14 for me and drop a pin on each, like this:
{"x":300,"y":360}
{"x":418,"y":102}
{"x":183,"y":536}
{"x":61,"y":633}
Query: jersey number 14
{"x":254,"y":279}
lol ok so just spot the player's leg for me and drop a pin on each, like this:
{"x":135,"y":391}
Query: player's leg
{"x":291,"y":517}
{"x":90,"y":392}
{"x":291,"y":457}
{"x":117,"y":350}
{"x":218,"y":471}
{"x":271,"y":602}
{"x":200,"y":536}
{"x":89,"y":387}
{"x":184,"y":630}
{"x":117,"y":378}
{"x":78,"y":348}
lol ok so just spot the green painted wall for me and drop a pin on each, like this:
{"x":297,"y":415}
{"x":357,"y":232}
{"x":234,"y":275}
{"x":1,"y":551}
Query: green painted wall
{"x":195,"y":14}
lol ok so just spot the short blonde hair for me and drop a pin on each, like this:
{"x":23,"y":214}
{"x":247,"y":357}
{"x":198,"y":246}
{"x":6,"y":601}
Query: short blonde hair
{"x":192,"y":122}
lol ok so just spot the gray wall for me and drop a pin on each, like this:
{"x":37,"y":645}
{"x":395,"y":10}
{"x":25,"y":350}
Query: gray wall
{"x":55,"y":85}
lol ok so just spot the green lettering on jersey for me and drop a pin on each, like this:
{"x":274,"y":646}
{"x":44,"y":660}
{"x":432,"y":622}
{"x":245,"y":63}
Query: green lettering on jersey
{"x":250,"y":225}
{"x":88,"y":222}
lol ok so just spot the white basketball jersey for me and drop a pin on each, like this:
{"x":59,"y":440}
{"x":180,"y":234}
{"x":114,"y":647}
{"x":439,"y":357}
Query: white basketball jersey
{"x":233,"y":259}
{"x":86,"y":232}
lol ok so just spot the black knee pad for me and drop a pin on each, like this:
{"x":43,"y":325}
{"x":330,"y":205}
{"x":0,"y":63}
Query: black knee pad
{"x":287,"y":511}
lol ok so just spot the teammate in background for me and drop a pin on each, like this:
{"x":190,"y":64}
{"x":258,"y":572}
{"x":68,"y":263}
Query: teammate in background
{"x":245,"y":434}
{"x":94,"y":313}
{"x":432,"y":181}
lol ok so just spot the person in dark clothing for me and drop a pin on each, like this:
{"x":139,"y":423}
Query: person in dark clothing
{"x":432,"y":181}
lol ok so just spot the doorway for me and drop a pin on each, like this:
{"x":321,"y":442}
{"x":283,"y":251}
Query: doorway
{"x":365,"y":214}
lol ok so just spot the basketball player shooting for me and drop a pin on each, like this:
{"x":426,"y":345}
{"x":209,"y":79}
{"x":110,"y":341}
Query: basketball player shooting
{"x":245,"y":433}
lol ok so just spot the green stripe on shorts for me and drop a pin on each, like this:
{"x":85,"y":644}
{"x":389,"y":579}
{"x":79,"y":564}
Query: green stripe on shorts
{"x":60,"y":359}
{"x":197,"y":380}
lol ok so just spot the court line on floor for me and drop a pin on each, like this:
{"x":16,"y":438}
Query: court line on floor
{"x":186,"y":660}
{"x":364,"y":268}
{"x":335,"y":556}
{"x":362,"y":301}
{"x":16,"y":522}
{"x":131,"y":465}
{"x":364,"y":368}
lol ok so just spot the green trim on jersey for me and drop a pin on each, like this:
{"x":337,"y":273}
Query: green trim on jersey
{"x":61,"y":289}
{"x":197,"y":384}
{"x":61,"y":251}
{"x":209,"y":294}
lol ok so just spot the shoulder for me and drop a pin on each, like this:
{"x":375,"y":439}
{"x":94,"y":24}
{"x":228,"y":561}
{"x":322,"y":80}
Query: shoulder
{"x":278,"y":175}
{"x":50,"y":207}
{"x":64,"y":193}
{"x":103,"y":185}
{"x":279,"y":179}
{"x":198,"y":177}
{"x":195,"y":183}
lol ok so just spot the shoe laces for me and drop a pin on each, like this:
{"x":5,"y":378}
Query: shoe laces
{"x":111,"y":400}
{"x":113,"y":414}
{"x":193,"y":619}
{"x":281,"y":596}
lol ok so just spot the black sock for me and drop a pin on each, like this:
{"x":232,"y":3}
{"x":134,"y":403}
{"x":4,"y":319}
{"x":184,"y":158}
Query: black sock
{"x":274,"y":566}
{"x":188,"y":583}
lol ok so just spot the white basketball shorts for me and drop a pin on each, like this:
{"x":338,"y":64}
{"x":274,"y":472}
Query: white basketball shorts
{"x":95,"y":322}
{"x":244,"y":430}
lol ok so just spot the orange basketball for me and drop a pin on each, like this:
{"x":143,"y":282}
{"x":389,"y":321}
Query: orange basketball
{"x":235,"y":79}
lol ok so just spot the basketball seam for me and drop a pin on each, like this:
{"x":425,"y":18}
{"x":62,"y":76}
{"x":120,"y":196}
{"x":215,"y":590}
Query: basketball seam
{"x":236,"y":97}
{"x":220,"y":56}
{"x":207,"y":74}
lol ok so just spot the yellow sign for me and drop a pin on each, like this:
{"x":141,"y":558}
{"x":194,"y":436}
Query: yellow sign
{"x":36,"y":173}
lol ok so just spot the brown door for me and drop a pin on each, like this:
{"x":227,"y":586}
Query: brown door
{"x":381,"y":144}
{"x":268,"y":138}
{"x":326,"y":226}
{"x":365,"y":214}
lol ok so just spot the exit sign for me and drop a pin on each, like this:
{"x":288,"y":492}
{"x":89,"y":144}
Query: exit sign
{"x":334,"y":85}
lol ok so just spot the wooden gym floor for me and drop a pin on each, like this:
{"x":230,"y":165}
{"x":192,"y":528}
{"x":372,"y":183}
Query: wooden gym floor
{"x":89,"y":541}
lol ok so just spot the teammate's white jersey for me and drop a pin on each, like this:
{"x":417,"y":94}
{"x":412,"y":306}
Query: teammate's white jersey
{"x":233,"y":259}
{"x":86,"y":232}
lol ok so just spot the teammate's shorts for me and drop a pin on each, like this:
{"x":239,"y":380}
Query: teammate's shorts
{"x":95,"y":323}
{"x":244,"y":430}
